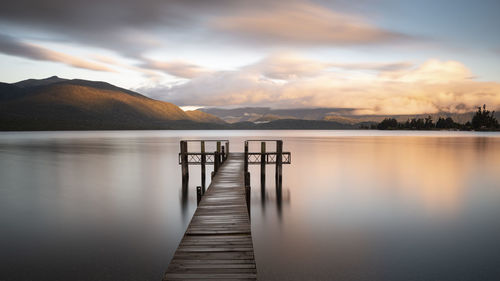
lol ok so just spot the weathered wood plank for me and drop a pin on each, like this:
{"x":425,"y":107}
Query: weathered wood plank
{"x":218,"y":242}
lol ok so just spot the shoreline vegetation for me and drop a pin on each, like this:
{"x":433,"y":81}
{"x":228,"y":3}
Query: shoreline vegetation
{"x":483,"y":120}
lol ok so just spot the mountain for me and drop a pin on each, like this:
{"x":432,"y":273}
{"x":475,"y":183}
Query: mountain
{"x":338,"y":115}
{"x":39,"y":82}
{"x":261,"y":114}
{"x":60,"y":104}
{"x":200,"y":116}
{"x":292,"y":124}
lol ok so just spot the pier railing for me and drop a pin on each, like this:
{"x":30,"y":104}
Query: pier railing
{"x":278,"y":158}
{"x":254,"y":158}
{"x":221,"y":154}
{"x":202,"y":158}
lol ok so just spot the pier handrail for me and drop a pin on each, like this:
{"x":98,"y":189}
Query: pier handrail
{"x":220,"y":155}
{"x":266,"y":158}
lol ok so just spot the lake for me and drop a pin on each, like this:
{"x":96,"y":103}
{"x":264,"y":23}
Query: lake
{"x":355,"y":205}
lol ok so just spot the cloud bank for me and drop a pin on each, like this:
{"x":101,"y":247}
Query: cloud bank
{"x":394,"y":88}
{"x":13,"y":47}
{"x":302,"y":23}
{"x":132,"y":28}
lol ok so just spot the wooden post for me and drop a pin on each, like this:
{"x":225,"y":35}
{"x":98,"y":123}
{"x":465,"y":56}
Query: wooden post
{"x":247,"y":195}
{"x":216,"y":161}
{"x":198,"y":195}
{"x":227,"y":149}
{"x":279,"y":161}
{"x":263,"y":164}
{"x":219,"y":151}
{"x":245,"y":167}
{"x":184,"y":162}
{"x":184,"y":196}
{"x":203,"y":168}
{"x":223,"y":155}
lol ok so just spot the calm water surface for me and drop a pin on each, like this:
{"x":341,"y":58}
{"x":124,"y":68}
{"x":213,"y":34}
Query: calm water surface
{"x":356,"y":205}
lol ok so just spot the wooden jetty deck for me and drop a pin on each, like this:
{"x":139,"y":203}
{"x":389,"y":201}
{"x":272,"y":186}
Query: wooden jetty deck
{"x":218,"y":241}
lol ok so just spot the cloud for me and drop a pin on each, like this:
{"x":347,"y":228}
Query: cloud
{"x":374,"y":66}
{"x":432,"y":71}
{"x":152,"y":75}
{"x":302,"y":23}
{"x":287,"y":66}
{"x":177,"y":68}
{"x":218,"y":88}
{"x":128,"y":27}
{"x":122,"y":26}
{"x":431,"y":87}
{"x":13,"y":47}
{"x":132,"y":28}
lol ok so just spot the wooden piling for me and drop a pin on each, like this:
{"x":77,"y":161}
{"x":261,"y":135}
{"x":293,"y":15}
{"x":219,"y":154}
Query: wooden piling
{"x":216,"y":161}
{"x":223,"y":154}
{"x":263,"y":163}
{"x":184,"y":162}
{"x":279,"y":163}
{"x":203,"y":165}
{"x":248,"y":193}
{"x":219,"y":150}
{"x":245,"y":167}
{"x":198,"y":195}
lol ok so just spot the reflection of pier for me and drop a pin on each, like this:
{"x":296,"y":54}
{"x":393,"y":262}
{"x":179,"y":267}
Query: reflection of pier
{"x":281,"y":198}
{"x":218,"y":241}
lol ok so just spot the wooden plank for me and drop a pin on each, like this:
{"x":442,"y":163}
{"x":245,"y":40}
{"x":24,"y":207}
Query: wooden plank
{"x":218,"y":242}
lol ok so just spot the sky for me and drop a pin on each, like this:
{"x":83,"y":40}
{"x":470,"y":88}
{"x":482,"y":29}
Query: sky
{"x":376,"y":56}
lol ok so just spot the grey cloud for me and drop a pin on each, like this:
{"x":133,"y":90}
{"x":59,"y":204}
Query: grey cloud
{"x":132,"y":28}
{"x":129,"y":27}
{"x":13,"y":47}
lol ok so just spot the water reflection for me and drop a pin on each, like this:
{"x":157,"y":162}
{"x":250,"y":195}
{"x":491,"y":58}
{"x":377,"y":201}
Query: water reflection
{"x":366,"y":205}
{"x":383,"y":208}
{"x":277,"y":199}
{"x":279,"y":196}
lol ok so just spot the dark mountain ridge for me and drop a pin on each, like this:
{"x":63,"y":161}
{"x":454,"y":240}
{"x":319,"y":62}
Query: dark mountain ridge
{"x":61,"y":104}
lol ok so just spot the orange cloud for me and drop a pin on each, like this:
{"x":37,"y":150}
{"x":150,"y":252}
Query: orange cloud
{"x":287,"y":66}
{"x":431,"y":87}
{"x":304,"y":24}
{"x":177,"y":68}
{"x":13,"y":47}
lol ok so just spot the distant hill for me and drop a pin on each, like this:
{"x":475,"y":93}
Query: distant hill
{"x":338,"y":115}
{"x":39,"y":82}
{"x":200,"y":116}
{"x":293,"y":124}
{"x":259,"y":114}
{"x":60,"y":104}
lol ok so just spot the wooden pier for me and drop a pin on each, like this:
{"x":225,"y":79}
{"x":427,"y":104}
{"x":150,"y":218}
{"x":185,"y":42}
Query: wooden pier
{"x":217,"y":244}
{"x":218,"y":241}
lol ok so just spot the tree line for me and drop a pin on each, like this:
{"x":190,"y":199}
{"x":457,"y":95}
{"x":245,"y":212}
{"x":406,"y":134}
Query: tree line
{"x":483,"y":120}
